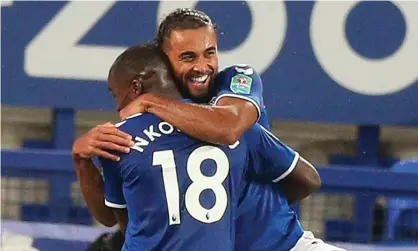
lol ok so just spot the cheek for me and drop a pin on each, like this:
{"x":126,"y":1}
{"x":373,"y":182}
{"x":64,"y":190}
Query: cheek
{"x":179,"y":69}
{"x":118,"y":102}
{"x":176,"y":66}
{"x":119,"y":99}
{"x":214,"y":63}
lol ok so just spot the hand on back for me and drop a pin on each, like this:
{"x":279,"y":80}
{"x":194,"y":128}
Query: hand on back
{"x":101,"y":141}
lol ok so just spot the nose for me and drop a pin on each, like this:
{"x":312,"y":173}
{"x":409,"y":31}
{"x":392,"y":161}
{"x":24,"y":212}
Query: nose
{"x":201,"y":66}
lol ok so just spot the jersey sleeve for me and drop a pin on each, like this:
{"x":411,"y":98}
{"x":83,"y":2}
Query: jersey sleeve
{"x":113,"y":185}
{"x":240,"y":82}
{"x":97,"y":164}
{"x":271,"y":159}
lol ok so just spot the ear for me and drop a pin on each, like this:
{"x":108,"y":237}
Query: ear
{"x":137,"y":87}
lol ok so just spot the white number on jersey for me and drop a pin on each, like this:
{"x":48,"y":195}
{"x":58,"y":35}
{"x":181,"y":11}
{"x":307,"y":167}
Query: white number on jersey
{"x":200,"y":182}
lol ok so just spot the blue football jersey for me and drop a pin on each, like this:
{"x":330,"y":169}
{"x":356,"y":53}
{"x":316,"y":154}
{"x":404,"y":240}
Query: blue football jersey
{"x":265,"y":219}
{"x":181,"y":193}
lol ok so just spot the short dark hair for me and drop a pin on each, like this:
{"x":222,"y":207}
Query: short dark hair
{"x":139,"y":58}
{"x":181,"y":19}
{"x":148,"y":64}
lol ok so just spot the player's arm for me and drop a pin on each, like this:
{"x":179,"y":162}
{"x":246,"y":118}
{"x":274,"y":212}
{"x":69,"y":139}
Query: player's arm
{"x":273,"y":160}
{"x":237,"y":109}
{"x":220,"y":124}
{"x":113,"y":191}
{"x":121,"y":216}
{"x":301,"y":182}
{"x":96,"y":142}
{"x":92,"y":188}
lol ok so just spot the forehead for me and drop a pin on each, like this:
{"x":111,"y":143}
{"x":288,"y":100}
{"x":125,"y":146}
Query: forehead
{"x":192,"y":39}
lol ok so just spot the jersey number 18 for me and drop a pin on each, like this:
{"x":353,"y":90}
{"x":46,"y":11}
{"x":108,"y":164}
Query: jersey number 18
{"x":200,"y":182}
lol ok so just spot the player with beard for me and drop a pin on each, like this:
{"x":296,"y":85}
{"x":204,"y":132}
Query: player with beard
{"x":179,"y":193}
{"x":188,"y":37}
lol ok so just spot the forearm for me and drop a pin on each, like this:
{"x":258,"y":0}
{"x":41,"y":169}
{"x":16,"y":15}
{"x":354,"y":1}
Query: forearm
{"x":91,"y":186}
{"x":121,"y":216}
{"x":214,"y":124}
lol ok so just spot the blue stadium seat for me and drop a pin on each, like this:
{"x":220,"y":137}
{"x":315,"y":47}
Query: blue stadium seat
{"x":402,"y":208}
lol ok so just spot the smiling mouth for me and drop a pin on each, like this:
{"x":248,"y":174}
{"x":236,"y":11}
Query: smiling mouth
{"x":201,"y":80}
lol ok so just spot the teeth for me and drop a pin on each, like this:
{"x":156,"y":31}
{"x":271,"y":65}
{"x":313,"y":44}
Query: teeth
{"x":200,"y":79}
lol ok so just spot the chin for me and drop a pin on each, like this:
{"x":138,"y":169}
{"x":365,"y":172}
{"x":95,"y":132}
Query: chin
{"x":200,"y":97}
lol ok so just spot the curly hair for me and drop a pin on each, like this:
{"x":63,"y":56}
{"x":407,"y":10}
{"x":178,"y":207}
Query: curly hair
{"x":181,"y":19}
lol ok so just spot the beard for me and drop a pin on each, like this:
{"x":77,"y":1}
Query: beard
{"x":186,"y":93}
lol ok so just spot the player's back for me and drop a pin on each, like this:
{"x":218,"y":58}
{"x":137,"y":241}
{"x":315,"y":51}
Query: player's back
{"x":181,"y":193}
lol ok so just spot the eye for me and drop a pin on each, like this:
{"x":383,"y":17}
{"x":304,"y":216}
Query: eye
{"x":210,"y":53}
{"x":187,"y":58}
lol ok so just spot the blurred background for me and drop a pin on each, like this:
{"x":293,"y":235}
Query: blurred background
{"x":340,"y":85}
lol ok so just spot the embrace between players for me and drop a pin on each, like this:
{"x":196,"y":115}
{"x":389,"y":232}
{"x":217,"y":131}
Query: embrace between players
{"x":192,"y":166}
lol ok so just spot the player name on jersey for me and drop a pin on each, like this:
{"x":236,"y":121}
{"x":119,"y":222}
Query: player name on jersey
{"x":152,"y":133}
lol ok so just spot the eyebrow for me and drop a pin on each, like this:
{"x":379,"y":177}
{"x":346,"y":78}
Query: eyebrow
{"x":210,"y":48}
{"x":191,"y":53}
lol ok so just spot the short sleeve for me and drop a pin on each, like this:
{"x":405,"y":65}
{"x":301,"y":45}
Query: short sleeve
{"x":240,"y":82}
{"x":113,"y":184}
{"x":271,"y":159}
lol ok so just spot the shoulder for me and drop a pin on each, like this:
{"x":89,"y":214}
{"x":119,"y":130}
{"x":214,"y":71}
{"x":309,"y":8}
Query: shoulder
{"x":133,"y":122}
{"x":237,"y":77}
{"x":237,"y":69}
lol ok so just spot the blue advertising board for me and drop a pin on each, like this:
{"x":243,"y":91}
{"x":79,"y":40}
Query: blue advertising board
{"x":341,"y":61}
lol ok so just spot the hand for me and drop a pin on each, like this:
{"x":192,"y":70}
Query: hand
{"x":99,"y":140}
{"x":138,"y":105}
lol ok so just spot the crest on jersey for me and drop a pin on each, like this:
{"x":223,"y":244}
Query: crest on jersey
{"x":241,"y":84}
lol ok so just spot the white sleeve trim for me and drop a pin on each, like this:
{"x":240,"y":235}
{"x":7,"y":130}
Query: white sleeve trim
{"x":114,"y":205}
{"x":134,"y":115}
{"x":289,"y":170}
{"x":240,"y":97}
{"x":120,"y":123}
{"x":129,"y":117}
